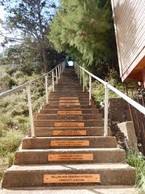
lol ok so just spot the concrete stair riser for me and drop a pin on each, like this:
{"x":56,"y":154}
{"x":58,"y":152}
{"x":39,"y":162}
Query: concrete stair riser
{"x":65,"y":131}
{"x":68,"y":116}
{"x":57,"y":98}
{"x":45,"y":143}
{"x":56,"y":111}
{"x":77,"y":156}
{"x":71,"y":123}
{"x":68,"y":94}
{"x":33,"y":176}
{"x":68,"y":103}
{"x":69,"y":106}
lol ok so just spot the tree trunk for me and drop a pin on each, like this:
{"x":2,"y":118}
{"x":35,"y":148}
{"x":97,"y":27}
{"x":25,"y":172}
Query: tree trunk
{"x":45,"y":60}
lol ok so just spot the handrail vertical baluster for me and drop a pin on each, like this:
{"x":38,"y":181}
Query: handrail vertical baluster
{"x":106,"y":110}
{"x":59,"y":71}
{"x":53,"y":81}
{"x":78,"y":72}
{"x":46,"y":88}
{"x":30,"y":111}
{"x":83,"y":81}
{"x":80,"y":77}
{"x":90,"y":89}
{"x":56,"y":75}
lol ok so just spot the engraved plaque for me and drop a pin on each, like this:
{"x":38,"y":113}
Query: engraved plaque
{"x":69,"y":124}
{"x":69,"y":112}
{"x":68,"y":101}
{"x":69,"y":104}
{"x":70,"y":157}
{"x":68,"y":98}
{"x":71,"y":178}
{"x":64,"y":143}
{"x":69,"y":132}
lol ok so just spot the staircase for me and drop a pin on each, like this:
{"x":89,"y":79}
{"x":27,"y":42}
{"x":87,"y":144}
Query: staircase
{"x":69,"y":148}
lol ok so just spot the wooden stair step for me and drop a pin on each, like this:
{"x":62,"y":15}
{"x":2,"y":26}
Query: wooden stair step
{"x":69,"y":155}
{"x":45,"y":142}
{"x":33,"y":175}
{"x":82,"y":189}
{"x":67,"y":110}
{"x":66,"y":116}
{"x":71,"y":131}
{"x":68,"y":123}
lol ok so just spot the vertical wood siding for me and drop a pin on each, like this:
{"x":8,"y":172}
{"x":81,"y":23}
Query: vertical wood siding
{"x":129,"y":18}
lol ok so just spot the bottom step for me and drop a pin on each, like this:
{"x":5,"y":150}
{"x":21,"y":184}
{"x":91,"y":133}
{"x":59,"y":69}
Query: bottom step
{"x":74,"y":190}
{"x":34,"y":175}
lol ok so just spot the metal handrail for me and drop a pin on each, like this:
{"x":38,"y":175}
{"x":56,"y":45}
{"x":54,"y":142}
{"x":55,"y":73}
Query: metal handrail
{"x":23,"y":86}
{"x":12,"y":91}
{"x":56,"y":72}
{"x":116,"y":91}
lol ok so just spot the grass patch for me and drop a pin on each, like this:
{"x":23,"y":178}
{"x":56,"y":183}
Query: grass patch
{"x":14,"y":113}
{"x":137,"y":160}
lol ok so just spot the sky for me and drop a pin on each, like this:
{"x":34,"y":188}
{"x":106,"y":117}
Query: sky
{"x":2,"y":12}
{"x":2,"y":17}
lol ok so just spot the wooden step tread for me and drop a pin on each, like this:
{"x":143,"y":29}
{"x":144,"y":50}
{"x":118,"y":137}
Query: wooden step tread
{"x":33,"y":175}
{"x":125,"y":189}
{"x":72,"y":137}
{"x":69,"y":167}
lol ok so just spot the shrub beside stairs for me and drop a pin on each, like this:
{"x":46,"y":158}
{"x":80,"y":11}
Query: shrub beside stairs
{"x":69,"y":148}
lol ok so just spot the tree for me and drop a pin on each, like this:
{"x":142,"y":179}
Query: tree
{"x":84,"y":29}
{"x":31,"y":19}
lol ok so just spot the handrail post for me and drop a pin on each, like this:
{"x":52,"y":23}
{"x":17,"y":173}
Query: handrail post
{"x":78,"y":70}
{"x":63,"y":67}
{"x":56,"y":75}
{"x":80,"y":77}
{"x":30,"y":111}
{"x":90,"y":89}
{"x":78,"y":73}
{"x":58,"y":71}
{"x":83,"y":81}
{"x":46,"y":88}
{"x":53,"y":80}
{"x":106,"y":110}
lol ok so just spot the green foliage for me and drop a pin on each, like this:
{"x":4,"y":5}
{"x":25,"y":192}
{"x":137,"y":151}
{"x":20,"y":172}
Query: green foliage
{"x":19,"y":74}
{"x":98,"y":90}
{"x":14,"y":119}
{"x":6,"y":82}
{"x":2,"y":128}
{"x":137,"y":160}
{"x":11,"y":158}
{"x":84,"y":29}
{"x":11,"y":70}
{"x":10,"y":141}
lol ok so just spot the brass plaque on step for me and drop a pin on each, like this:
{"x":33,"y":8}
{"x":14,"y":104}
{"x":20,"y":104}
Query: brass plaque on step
{"x":69,"y":124}
{"x":68,"y":98}
{"x":69,"y":112}
{"x":65,"y":143}
{"x":69,"y":132}
{"x":70,"y":157}
{"x":69,"y":101}
{"x":69,"y":104}
{"x":71,"y":178}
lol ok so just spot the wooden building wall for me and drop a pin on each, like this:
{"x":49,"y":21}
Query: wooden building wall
{"x":129,"y":19}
